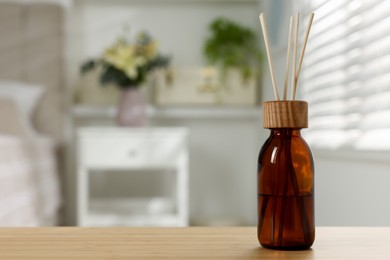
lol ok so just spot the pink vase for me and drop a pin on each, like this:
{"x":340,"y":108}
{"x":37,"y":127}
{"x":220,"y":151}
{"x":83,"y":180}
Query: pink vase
{"x":132,"y":108}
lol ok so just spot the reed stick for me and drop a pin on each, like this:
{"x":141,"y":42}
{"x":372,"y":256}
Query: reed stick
{"x":295,"y":53}
{"x":290,"y":32}
{"x":268,"y":50}
{"x":310,"y":22}
{"x":284,"y":192}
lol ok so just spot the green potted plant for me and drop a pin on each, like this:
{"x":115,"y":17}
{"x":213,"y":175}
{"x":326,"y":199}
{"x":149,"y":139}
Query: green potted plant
{"x":127,"y":63}
{"x":232,"y":46}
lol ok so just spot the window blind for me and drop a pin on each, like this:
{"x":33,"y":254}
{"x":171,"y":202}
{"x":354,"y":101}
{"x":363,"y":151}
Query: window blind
{"x":346,"y":74}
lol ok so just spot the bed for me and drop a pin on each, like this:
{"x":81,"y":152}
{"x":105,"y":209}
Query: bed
{"x":31,"y":113}
{"x":29,"y":187}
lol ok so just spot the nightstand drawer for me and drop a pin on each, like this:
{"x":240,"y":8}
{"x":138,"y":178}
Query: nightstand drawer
{"x":130,"y":149}
{"x":113,"y":151}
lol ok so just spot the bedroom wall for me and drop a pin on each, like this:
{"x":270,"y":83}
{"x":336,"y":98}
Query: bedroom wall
{"x":352,"y":188}
{"x":179,"y":26}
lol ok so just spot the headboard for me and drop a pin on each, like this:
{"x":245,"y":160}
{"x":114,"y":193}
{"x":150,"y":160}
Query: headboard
{"x":31,"y":50}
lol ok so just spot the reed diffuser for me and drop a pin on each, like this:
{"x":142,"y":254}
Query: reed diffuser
{"x":285,"y":164}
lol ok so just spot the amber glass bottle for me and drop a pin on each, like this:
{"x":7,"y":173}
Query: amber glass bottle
{"x":285,"y":179}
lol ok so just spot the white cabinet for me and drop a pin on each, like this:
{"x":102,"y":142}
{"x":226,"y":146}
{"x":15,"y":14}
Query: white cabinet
{"x":132,"y":150}
{"x":223,"y":145}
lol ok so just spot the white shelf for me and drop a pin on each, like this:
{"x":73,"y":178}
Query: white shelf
{"x":157,"y":211}
{"x":110,"y":220}
{"x":132,"y":167}
{"x":63,"y":3}
{"x":91,"y":112}
{"x":180,"y":1}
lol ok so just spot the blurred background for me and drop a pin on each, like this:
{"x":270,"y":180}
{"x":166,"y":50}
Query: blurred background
{"x":148,"y":113}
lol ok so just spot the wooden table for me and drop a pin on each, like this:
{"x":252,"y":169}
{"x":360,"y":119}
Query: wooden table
{"x":184,"y":243}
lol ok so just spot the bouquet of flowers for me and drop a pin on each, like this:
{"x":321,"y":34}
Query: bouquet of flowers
{"x":127,"y":63}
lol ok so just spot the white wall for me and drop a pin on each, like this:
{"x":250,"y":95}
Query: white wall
{"x":277,"y":13}
{"x":179,"y":26}
{"x":223,"y":165}
{"x":352,"y":188}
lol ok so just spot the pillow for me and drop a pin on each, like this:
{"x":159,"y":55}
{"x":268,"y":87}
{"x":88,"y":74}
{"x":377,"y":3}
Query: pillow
{"x":25,"y":96}
{"x":10,"y":123}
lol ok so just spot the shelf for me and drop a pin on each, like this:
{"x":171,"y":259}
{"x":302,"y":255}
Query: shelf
{"x":158,"y":211}
{"x":179,"y":1}
{"x":63,"y":3}
{"x":110,"y":220}
{"x":93,"y":112}
{"x":132,"y":167}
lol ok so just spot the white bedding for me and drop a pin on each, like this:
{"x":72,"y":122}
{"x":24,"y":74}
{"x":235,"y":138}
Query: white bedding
{"x":31,"y":103}
{"x":29,"y":185}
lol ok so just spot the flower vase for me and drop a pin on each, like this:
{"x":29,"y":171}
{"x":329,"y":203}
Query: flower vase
{"x":132,"y":108}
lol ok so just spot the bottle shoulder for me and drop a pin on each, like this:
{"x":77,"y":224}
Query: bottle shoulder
{"x":278,"y":147}
{"x":282,"y":160}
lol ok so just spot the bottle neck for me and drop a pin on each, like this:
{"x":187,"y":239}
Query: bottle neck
{"x":286,"y":132}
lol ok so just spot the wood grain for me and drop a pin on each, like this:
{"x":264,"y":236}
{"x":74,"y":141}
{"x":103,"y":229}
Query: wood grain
{"x":184,"y":243}
{"x":285,"y":114}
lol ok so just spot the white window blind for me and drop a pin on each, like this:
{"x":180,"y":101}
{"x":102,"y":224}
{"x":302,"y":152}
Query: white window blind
{"x":346,"y":74}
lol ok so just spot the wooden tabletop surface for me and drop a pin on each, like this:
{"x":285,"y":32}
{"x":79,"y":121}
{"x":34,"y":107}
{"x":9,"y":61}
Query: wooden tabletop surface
{"x":185,"y":243}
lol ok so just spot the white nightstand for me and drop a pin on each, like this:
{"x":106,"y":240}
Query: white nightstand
{"x":132,"y":150}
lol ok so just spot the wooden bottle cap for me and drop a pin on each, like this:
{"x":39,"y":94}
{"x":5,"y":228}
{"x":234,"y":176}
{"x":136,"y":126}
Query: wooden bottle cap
{"x":285,"y":114}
